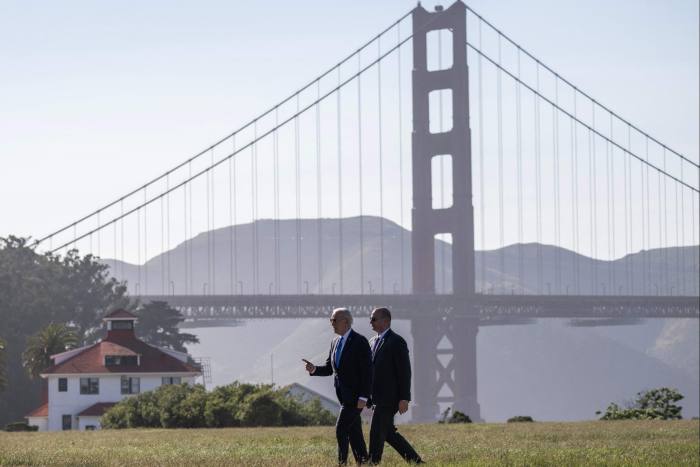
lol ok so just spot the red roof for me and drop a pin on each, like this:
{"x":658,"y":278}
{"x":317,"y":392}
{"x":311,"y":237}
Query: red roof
{"x":121,"y":313}
{"x":41,"y":411}
{"x":110,"y":348}
{"x":97,"y":410}
{"x":122,"y":342}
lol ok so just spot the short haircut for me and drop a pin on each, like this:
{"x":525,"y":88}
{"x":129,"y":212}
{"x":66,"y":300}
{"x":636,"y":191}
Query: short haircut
{"x":383,"y":313}
{"x":345,"y":313}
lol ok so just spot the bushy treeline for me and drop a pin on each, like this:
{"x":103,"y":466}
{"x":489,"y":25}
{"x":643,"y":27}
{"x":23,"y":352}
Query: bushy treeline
{"x":654,"y":404}
{"x":234,"y":405}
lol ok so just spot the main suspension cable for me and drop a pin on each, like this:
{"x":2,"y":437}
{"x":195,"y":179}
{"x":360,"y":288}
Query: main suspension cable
{"x":584,"y":124}
{"x":569,"y":83}
{"x":230,"y":135}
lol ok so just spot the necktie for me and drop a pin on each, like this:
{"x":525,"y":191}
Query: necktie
{"x":337,"y":351}
{"x":375,"y":346}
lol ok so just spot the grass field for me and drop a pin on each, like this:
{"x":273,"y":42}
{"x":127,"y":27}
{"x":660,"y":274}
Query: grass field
{"x":557,"y":444}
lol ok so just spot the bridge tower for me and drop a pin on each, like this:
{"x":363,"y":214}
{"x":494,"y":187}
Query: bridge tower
{"x":444,"y":349}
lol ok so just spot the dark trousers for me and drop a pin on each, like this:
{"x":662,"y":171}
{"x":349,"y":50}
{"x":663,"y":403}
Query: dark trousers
{"x":383,"y":429}
{"x":348,"y":430}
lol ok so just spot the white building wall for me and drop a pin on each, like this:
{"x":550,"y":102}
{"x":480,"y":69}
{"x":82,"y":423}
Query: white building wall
{"x":41,"y":422}
{"x":88,"y":421}
{"x":72,"y":402}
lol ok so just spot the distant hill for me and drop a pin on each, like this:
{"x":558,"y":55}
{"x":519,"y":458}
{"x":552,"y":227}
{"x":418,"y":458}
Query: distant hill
{"x":213,"y":268}
{"x":548,"y":370}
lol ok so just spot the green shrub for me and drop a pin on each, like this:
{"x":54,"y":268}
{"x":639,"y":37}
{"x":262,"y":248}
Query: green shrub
{"x":655,"y":404}
{"x":20,"y":426}
{"x":221,"y":406}
{"x":125,"y":414}
{"x":237,"y":404}
{"x":297,"y":412}
{"x":457,"y":417}
{"x":169,"y":399}
{"x":260,"y":409}
{"x":148,"y":410}
{"x":520,"y":418}
{"x":191,"y":408}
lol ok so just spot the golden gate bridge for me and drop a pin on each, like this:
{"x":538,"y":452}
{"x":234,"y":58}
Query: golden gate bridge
{"x":440,"y":169}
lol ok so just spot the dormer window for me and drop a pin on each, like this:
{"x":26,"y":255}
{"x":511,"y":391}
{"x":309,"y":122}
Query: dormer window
{"x":121,"y":360}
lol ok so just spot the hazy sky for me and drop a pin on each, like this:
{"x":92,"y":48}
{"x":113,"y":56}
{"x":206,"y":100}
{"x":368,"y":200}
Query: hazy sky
{"x":98,"y":97}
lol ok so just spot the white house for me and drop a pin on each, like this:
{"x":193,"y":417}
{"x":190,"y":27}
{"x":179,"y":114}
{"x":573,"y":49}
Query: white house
{"x":83,"y":383}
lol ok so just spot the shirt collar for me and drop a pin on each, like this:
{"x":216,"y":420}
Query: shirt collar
{"x":345,"y":336}
{"x":381,"y":336}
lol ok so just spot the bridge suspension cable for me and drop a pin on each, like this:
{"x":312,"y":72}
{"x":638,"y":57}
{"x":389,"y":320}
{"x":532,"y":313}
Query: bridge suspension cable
{"x":576,"y":88}
{"x":660,"y":170}
{"x":249,"y":145}
{"x":247,"y":125}
{"x":624,"y":188}
{"x":624,"y":158}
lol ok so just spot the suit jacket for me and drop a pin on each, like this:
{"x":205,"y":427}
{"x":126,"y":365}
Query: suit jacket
{"x":352,"y":376}
{"x":391,"y":371}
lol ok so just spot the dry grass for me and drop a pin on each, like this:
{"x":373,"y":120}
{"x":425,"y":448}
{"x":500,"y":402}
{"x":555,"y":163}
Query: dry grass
{"x":547,"y":444}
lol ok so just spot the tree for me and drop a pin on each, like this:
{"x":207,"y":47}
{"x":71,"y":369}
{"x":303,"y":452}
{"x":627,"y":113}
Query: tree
{"x":3,"y":378}
{"x":654,"y":404}
{"x":158,"y":323}
{"x":54,"y":338}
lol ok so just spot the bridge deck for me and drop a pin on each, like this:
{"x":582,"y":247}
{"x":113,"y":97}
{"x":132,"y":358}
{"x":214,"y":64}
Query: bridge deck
{"x":489,"y":309}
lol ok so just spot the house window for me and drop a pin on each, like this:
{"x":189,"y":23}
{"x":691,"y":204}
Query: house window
{"x":121,"y":360}
{"x":90,"y":427}
{"x":62,"y":384}
{"x":89,"y":385}
{"x":131,"y":385}
{"x":122,"y":324}
{"x":172,"y":380}
{"x":66,"y":421}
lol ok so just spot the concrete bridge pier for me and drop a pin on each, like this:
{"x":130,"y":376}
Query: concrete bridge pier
{"x":444,"y":367}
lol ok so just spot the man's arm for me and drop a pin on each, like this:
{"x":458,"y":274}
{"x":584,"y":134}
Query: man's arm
{"x":365,"y":361}
{"x":325,"y":370}
{"x":402,"y":363}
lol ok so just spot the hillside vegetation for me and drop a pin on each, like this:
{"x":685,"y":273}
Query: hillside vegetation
{"x":636,"y":443}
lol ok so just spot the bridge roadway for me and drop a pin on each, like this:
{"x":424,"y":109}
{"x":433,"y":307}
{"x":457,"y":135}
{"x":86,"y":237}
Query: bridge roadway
{"x":489,"y":309}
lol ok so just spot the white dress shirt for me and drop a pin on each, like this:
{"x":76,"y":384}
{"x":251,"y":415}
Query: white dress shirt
{"x":344,"y":341}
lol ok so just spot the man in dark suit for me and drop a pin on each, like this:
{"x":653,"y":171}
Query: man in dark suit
{"x":391,"y":388}
{"x":349,"y":362}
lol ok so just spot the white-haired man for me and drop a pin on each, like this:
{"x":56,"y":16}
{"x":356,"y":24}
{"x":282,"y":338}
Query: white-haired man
{"x":349,"y":361}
